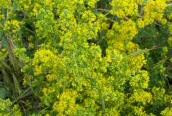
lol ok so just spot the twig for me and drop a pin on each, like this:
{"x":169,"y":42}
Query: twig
{"x":103,"y":9}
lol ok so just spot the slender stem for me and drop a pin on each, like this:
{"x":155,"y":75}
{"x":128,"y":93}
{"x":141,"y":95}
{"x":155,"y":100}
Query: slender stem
{"x":29,"y":30}
{"x":7,"y":15}
{"x":103,"y":9}
{"x":103,"y":105}
{"x":102,"y":101}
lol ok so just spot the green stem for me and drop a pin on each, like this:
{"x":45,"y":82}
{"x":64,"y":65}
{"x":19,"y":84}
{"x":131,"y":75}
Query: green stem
{"x":103,"y":106}
{"x":7,"y":15}
{"x":102,"y":102}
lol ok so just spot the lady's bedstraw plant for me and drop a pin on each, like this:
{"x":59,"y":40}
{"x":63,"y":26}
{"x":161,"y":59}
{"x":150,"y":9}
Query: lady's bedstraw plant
{"x":8,"y":110}
{"x":81,"y":58}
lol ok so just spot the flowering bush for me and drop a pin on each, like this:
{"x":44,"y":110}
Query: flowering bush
{"x":86,"y":57}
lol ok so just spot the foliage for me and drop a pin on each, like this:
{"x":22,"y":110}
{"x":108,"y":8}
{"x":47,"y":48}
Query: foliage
{"x":6,"y":108}
{"x":86,"y":57}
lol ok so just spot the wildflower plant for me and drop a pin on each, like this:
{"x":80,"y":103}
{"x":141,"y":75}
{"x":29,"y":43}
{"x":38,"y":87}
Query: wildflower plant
{"x":86,"y":57}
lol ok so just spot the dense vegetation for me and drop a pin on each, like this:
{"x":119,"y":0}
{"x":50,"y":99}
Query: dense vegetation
{"x":86,"y":57}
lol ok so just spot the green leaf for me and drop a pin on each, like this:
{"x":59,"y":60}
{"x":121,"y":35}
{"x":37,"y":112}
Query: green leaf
{"x":4,"y":43}
{"x":141,"y":52}
{"x":3,"y":92}
{"x":17,"y":85}
{"x":161,"y":62}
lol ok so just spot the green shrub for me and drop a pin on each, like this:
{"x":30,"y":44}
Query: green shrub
{"x":86,"y":57}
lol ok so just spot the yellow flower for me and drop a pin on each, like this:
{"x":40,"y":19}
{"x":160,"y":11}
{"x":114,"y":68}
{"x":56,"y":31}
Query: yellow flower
{"x":124,"y":8}
{"x":154,"y":10}
{"x":66,"y":104}
{"x":140,"y":23}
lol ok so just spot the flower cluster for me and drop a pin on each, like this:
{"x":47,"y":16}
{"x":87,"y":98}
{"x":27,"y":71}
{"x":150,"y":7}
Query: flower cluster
{"x":124,"y":8}
{"x":154,"y":10}
{"x":7,"y":108}
{"x":81,"y":59}
{"x":12,"y":27}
